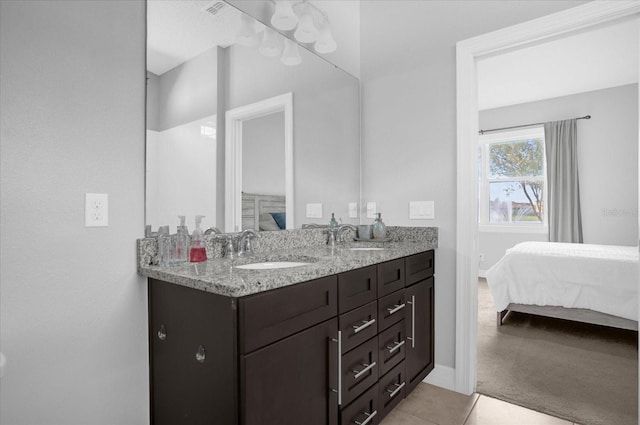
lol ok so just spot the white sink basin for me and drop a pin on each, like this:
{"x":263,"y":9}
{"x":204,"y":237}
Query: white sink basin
{"x":367,"y":249}
{"x":271,"y":265}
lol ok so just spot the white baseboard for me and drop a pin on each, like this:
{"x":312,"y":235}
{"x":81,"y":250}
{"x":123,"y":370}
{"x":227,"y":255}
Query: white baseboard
{"x":442,"y":376}
{"x":482,"y":273}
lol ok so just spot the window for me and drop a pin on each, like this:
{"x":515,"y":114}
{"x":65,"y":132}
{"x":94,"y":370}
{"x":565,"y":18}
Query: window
{"x":512,"y":180}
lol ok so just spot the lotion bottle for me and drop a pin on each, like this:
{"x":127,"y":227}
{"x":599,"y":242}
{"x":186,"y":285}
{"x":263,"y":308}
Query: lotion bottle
{"x":182,"y":242}
{"x":198,"y":252}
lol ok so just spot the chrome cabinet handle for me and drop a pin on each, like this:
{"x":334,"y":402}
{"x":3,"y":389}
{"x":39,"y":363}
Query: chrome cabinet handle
{"x":412,"y":338}
{"x":201,"y":354}
{"x":367,"y":368}
{"x":369,"y":417}
{"x":162,"y":333}
{"x":339,"y":390}
{"x":395,"y":308}
{"x":364,"y":325}
{"x":395,"y":347}
{"x":392,"y":393}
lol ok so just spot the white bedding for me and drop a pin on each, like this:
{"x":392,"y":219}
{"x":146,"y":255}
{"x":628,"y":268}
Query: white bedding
{"x":602,"y":278}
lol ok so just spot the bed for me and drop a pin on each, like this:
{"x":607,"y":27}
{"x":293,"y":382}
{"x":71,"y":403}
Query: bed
{"x":582,"y":282}
{"x":263,"y":212}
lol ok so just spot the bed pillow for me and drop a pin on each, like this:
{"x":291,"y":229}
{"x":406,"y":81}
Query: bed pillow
{"x":267,"y":222}
{"x":281,"y":219}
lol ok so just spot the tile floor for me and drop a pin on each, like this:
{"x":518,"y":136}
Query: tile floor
{"x":431,"y":405}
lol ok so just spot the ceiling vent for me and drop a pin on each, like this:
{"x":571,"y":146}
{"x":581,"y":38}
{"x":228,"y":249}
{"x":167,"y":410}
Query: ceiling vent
{"x":216,"y":8}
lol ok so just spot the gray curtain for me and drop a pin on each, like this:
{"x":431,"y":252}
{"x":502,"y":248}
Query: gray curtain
{"x":563,"y":189}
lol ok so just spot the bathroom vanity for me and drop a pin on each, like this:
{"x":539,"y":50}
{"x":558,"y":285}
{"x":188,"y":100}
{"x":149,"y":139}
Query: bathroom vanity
{"x":340,"y":341}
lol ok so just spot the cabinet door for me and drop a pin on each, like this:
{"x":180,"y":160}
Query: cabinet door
{"x":292,"y":381}
{"x":192,"y":344}
{"x":419,"y":328}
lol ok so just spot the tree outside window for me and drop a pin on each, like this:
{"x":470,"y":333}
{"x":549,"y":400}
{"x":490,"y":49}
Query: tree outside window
{"x":512,"y":178}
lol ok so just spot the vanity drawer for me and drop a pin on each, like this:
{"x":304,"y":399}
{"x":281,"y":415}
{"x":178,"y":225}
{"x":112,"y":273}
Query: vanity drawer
{"x":269,"y":316}
{"x":358,"y":325}
{"x":419,"y":267}
{"x":391,"y":390}
{"x":391,"y":309}
{"x":359,"y":370}
{"x":391,"y":344}
{"x":390,"y":276}
{"x":362,"y":411}
{"x":356,"y":288}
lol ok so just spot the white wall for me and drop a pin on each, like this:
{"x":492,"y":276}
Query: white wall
{"x":263,"y":155}
{"x":409,"y":126}
{"x":607,"y":163}
{"x":73,"y":311}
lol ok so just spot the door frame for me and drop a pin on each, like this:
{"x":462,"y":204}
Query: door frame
{"x":234,"y":119}
{"x":467,"y":53}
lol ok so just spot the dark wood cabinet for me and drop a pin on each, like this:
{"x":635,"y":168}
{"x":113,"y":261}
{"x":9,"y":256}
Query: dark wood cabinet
{"x":419,"y":329}
{"x":341,"y":349}
{"x":191,"y":334}
{"x":290,"y":382}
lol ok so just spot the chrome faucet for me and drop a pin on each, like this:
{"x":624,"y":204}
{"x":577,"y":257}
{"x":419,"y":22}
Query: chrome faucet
{"x":342,"y":228}
{"x":212,"y":230}
{"x":244,"y":244}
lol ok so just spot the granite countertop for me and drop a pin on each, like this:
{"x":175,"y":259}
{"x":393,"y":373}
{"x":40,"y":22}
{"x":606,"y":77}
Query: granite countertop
{"x":219,"y":275}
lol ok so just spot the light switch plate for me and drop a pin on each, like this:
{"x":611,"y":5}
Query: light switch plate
{"x":421,"y":210}
{"x":314,"y":211}
{"x":372,"y":209}
{"x":96,"y":210}
{"x":353,"y":210}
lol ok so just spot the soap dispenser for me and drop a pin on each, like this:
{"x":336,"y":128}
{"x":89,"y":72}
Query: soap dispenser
{"x":333,"y":222}
{"x":198,"y":252}
{"x":379,"y":228}
{"x":182,"y":242}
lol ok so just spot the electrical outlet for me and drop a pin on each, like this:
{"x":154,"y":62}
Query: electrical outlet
{"x":353,"y":210}
{"x":96,"y":210}
{"x":481,"y":257}
{"x":372,"y":209}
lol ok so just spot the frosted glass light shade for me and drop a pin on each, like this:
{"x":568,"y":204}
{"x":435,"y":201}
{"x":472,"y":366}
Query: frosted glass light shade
{"x":306,"y":31}
{"x":326,"y":43}
{"x":247,"y":35}
{"x":290,"y":56}
{"x":283,"y":18}
{"x":271,"y":44}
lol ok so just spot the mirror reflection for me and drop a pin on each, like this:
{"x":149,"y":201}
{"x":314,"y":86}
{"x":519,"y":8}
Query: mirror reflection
{"x":205,"y":67}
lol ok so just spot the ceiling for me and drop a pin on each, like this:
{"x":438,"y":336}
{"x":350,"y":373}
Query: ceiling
{"x":592,"y":60}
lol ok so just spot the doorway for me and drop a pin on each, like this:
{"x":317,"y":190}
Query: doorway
{"x":467,"y":53}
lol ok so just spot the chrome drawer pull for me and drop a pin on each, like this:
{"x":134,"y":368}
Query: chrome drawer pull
{"x":364,"y":325}
{"x":412,"y":338}
{"x":395,"y":347}
{"x":392,"y":393}
{"x":369,"y":417}
{"x":339,"y":390}
{"x":395,"y":308}
{"x":367,"y":368}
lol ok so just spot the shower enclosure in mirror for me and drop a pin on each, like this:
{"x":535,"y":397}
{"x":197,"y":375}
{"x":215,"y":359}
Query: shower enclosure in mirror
{"x":206,"y":59}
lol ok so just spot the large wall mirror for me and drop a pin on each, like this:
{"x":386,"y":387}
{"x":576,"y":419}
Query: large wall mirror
{"x":207,"y":62}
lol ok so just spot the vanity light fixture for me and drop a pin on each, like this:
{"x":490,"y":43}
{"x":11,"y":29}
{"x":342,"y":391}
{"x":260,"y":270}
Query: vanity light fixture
{"x":247,"y":35}
{"x":271,"y":45}
{"x":310,"y":23}
{"x":290,"y":56}
{"x":306,"y":31}
{"x":284,"y":18}
{"x":325,"y":42}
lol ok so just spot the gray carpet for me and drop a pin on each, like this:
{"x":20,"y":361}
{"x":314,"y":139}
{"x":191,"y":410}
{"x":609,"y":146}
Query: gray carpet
{"x":583,"y":373}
